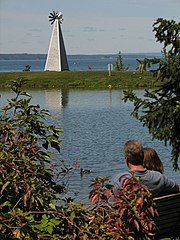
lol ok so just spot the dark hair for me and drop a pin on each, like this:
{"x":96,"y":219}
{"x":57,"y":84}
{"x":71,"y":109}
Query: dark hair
{"x":134,"y":152}
{"x":152,"y":160}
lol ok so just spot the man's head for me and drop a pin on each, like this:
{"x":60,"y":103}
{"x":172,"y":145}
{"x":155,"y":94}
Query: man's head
{"x":133,"y":152}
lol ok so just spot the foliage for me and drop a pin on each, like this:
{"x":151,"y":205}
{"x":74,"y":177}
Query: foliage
{"x":27,"y":68}
{"x":129,"y":216}
{"x":29,"y":207}
{"x":143,"y":65}
{"x":26,"y":184}
{"x":118,"y":66}
{"x":159,"y":110}
{"x":122,"y":213}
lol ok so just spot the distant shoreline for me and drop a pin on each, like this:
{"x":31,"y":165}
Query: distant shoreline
{"x":3,"y":56}
{"x":17,"y":62}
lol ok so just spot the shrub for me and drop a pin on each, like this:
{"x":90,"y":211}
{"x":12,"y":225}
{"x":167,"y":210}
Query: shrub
{"x":123,"y":213}
{"x":27,"y":68}
{"x":26,"y":182}
{"x":119,"y":66}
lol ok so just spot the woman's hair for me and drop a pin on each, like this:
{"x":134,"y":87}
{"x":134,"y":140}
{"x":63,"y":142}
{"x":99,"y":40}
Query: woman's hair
{"x":152,"y":161}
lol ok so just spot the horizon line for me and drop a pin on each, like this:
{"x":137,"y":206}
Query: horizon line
{"x":86,"y":53}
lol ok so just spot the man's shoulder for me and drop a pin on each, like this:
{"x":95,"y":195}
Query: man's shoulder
{"x":156,"y":173}
{"x":116,"y":179}
{"x":151,"y":174}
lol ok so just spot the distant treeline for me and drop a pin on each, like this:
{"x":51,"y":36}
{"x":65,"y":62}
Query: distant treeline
{"x":22,"y":56}
{"x":33,"y":56}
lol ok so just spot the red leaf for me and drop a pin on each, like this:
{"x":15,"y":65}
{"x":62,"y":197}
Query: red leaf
{"x":136,"y":225}
{"x":95,"y":198}
{"x":34,"y":150}
{"x":108,"y":192}
{"x":77,"y":164}
{"x":52,"y":166}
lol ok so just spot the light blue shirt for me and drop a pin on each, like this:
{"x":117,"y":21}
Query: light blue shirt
{"x":156,"y":182}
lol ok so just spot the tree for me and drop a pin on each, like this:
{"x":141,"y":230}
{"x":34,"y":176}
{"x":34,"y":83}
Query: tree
{"x":27,"y":68}
{"x":142,"y":65}
{"x":119,"y":63}
{"x":159,"y":109}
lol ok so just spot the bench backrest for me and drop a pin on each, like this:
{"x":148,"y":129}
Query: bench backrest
{"x":168,"y":208}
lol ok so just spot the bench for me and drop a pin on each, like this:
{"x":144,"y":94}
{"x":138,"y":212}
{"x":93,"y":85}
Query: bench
{"x":168,"y":220}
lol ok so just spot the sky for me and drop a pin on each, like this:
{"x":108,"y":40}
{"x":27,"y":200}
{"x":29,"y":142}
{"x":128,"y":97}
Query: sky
{"x":89,"y":26}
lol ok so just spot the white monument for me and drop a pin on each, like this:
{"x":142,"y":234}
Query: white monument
{"x":56,"y":58}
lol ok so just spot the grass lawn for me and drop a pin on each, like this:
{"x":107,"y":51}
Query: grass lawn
{"x":81,"y":79}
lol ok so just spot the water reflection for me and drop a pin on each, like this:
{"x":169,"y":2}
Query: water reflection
{"x":56,"y":99}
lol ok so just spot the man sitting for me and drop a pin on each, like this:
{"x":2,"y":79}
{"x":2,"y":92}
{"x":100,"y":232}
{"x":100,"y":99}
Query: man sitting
{"x":156,"y":182}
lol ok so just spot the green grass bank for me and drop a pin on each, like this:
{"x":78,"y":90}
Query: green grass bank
{"x":81,"y":79}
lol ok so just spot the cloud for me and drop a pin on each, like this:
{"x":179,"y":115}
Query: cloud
{"x":120,"y":25}
{"x":25,"y":42}
{"x":11,"y":41}
{"x":89,"y":29}
{"x":35,"y":30}
{"x":140,"y":38}
{"x":122,"y":29}
{"x":32,"y":34}
{"x":150,"y":39}
{"x":42,"y":42}
{"x":101,"y":30}
{"x":71,"y":35}
{"x":91,"y":39}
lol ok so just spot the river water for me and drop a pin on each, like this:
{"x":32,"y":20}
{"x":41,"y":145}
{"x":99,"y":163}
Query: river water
{"x":17,"y":62}
{"x":95,"y":124}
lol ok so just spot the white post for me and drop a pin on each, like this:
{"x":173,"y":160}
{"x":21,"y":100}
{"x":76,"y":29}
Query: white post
{"x":110,"y":68}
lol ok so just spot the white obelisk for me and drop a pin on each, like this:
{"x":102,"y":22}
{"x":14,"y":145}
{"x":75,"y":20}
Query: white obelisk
{"x":56,"y":58}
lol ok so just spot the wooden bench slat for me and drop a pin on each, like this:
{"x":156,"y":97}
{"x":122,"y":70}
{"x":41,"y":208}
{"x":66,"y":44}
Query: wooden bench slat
{"x":168,"y":213}
{"x":169,"y":221}
{"x":169,"y":196}
{"x":168,"y":204}
{"x":168,"y":208}
{"x":172,"y":202}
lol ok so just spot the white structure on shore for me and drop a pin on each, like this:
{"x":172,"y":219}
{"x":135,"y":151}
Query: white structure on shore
{"x":56,"y":58}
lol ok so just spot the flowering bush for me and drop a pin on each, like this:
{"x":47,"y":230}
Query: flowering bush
{"x":123,"y":213}
{"x":26,"y":182}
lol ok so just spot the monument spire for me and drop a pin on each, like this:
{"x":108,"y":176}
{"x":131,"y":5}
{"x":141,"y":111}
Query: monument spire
{"x":56,"y":57}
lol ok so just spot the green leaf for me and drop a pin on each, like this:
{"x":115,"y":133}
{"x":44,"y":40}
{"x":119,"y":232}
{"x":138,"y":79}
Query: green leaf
{"x":4,"y":186}
{"x":44,"y":217}
{"x":49,"y":229}
{"x":7,"y":203}
{"x":26,"y":94}
{"x":30,"y":218}
{"x":40,"y":200}
{"x":72,"y":216}
{"x":55,"y":144}
{"x":53,"y":206}
{"x":55,"y":221}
